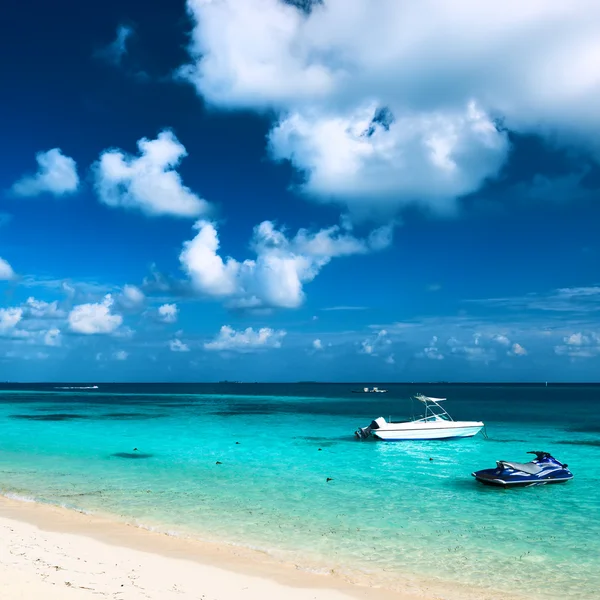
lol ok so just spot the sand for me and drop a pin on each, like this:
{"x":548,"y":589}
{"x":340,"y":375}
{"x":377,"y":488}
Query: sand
{"x":50,"y":553}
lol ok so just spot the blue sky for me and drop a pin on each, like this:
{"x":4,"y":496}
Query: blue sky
{"x":281,"y":191}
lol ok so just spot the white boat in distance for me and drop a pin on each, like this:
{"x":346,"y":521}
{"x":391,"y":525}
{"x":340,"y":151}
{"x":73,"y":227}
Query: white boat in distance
{"x":436,"y":424}
{"x":373,"y":390}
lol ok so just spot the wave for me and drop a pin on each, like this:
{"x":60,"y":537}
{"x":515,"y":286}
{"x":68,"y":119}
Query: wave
{"x":34,"y":500}
{"x":82,"y":387}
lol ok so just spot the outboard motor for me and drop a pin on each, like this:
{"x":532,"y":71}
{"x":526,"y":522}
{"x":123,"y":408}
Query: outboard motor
{"x":362,"y":433}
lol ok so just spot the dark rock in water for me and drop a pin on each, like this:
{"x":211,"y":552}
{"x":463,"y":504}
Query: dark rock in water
{"x":237,"y":442}
{"x":218,"y":463}
{"x":430,"y":458}
{"x":135,"y":449}
{"x":329,"y":479}
{"x":132,"y":455}
{"x":50,"y":417}
{"x":319,"y":449}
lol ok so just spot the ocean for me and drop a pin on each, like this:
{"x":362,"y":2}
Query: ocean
{"x":248,"y":464}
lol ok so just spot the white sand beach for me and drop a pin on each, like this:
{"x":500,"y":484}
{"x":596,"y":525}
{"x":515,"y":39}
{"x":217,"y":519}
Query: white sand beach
{"x":49,"y":553}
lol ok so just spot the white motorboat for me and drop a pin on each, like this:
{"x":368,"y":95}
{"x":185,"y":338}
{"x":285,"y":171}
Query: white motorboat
{"x":373,"y":390}
{"x":436,"y":424}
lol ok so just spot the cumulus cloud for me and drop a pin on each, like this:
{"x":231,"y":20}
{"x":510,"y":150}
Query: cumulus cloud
{"x":94,"y":318}
{"x":53,"y":337}
{"x":400,"y":104}
{"x":9,"y":318}
{"x":56,"y":175}
{"x":579,"y":345}
{"x":501,"y":339}
{"x":248,"y":340}
{"x":317,"y":344}
{"x":375,"y":344}
{"x":432,"y":351}
{"x":39,"y":309}
{"x":275,"y":278}
{"x":428,"y":159}
{"x":121,"y":355}
{"x":167,"y":313}
{"x":177,"y":345}
{"x":517,"y":350}
{"x":150,"y":182}
{"x":6,"y":271}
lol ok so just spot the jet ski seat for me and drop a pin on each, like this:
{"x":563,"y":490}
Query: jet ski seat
{"x":531,"y":468}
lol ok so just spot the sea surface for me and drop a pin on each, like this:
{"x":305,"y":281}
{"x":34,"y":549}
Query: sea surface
{"x":248,"y":464}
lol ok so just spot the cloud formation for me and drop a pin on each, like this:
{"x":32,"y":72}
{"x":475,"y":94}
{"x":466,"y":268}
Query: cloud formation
{"x":400,"y":104}
{"x":150,"y":182}
{"x":94,"y":318}
{"x":9,"y":318}
{"x":428,"y":159}
{"x":579,"y":345}
{"x":376,"y":344}
{"x":167,"y":313}
{"x":248,"y":340}
{"x":131,"y":297}
{"x":275,"y":278}
{"x":6,"y":271}
{"x":39,"y":309}
{"x":56,"y":175}
{"x":177,"y":345}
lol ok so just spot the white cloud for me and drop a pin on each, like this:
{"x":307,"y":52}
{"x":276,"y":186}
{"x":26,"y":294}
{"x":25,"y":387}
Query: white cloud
{"x":432,"y":351}
{"x":148,"y":183}
{"x":39,"y":309}
{"x":247,"y":340}
{"x":177,"y":345}
{"x":167,"y":313}
{"x":53,"y":337}
{"x":390,"y":360}
{"x":57,"y":175}
{"x":120,"y":355}
{"x":375,"y":344}
{"x":6,"y":271}
{"x":577,"y":339}
{"x":517,"y":350}
{"x":275,"y":278}
{"x":533,"y":64}
{"x":580,"y":345}
{"x":501,"y":339}
{"x":132,"y":296}
{"x":9,"y":318}
{"x":426,"y":159}
{"x":317,"y":344}
{"x":95,"y":318}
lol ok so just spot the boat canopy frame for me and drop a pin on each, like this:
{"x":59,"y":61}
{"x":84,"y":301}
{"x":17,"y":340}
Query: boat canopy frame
{"x":432,"y":408}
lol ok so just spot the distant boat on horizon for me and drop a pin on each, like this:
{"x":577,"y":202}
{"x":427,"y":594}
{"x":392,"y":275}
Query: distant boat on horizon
{"x":373,"y":390}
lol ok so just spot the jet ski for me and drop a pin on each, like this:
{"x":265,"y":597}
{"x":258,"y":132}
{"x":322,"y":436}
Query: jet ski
{"x":541,"y":470}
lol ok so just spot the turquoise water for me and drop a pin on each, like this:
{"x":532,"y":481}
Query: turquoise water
{"x":388,"y":511}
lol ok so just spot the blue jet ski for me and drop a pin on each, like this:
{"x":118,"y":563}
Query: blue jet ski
{"x":543,"y":469}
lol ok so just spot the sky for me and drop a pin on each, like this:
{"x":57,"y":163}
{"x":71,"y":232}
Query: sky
{"x":271,"y":190}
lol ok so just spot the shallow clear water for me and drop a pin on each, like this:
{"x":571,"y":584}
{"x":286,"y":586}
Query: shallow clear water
{"x":389,"y":510}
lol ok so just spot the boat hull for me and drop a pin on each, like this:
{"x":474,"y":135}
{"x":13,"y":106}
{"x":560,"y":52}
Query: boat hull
{"x":427,"y":431}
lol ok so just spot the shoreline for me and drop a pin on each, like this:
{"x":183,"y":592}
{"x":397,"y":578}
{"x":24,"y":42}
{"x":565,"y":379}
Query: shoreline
{"x":216,"y":565}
